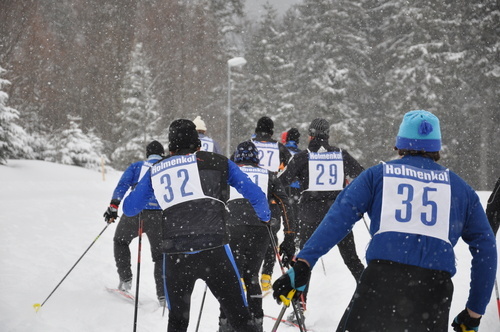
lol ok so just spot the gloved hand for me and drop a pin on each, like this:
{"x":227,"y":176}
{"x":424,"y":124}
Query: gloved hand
{"x":465,"y":323}
{"x":295,"y":279}
{"x":287,"y":249}
{"x":111,"y":213}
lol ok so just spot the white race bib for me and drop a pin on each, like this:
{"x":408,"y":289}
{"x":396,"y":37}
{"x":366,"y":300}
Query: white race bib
{"x":207,"y":144}
{"x":416,"y":201}
{"x":269,"y":155}
{"x":259,"y":176}
{"x":176,"y":180}
{"x":326,"y":171}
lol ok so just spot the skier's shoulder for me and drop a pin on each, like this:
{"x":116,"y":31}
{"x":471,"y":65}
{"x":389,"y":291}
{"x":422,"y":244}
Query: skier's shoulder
{"x":213,"y":160}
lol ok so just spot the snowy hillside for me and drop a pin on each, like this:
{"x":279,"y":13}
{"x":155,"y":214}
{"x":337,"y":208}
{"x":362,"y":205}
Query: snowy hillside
{"x":51,"y":213}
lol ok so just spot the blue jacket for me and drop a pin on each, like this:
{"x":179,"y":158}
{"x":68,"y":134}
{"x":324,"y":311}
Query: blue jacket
{"x":467,"y":220}
{"x":130,"y":178}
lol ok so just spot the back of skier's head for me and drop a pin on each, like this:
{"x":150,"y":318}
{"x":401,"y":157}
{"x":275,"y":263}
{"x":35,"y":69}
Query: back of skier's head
{"x":200,"y":125}
{"x":265,"y":125}
{"x":246,"y":153}
{"x":293,"y":135}
{"x":182,"y":135}
{"x":319,"y":129}
{"x":419,"y":133}
{"x":154,"y":148}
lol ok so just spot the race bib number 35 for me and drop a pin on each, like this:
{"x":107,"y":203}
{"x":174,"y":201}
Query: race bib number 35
{"x":176,"y":180}
{"x":416,"y":201}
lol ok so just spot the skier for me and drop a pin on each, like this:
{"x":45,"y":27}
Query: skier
{"x":418,"y":211}
{"x":493,"y":208}
{"x":127,"y":228}
{"x":192,"y":187}
{"x":322,"y":170}
{"x":273,"y":156}
{"x":207,"y":143}
{"x":249,"y":238}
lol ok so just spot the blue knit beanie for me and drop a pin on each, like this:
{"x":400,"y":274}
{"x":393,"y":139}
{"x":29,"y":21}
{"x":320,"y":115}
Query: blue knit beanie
{"x":419,"y":131}
{"x":246,"y":152}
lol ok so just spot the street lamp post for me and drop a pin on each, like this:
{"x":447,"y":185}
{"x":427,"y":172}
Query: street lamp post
{"x":238,"y":61}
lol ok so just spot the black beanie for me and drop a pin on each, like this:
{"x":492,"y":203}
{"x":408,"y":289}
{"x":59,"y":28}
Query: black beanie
{"x":319,"y":128}
{"x":182,"y":134}
{"x":293,"y":135}
{"x":246,"y":151}
{"x":265,"y":125}
{"x":154,"y":147}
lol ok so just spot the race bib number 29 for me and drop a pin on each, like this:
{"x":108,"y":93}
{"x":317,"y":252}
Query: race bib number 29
{"x":416,"y":201}
{"x":326,"y":171}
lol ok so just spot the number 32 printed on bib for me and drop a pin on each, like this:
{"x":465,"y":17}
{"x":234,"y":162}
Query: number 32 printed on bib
{"x":416,"y":201}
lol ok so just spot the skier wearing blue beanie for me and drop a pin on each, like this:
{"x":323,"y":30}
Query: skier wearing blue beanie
{"x":418,"y":211}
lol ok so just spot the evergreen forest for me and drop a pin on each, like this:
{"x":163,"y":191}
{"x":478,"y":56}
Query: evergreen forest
{"x":92,"y":82}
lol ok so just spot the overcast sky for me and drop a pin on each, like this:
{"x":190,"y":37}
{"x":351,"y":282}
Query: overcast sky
{"x":254,"y":7}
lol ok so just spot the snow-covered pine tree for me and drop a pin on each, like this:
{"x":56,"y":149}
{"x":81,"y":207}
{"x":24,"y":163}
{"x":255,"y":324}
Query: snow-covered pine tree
{"x":331,"y":61}
{"x":267,"y":74}
{"x":137,"y":122}
{"x":13,"y":138}
{"x":71,"y":146}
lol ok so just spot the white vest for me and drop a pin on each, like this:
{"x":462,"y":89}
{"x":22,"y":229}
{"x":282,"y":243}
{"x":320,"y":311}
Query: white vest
{"x":326,"y":171}
{"x":259,"y":176}
{"x":269,"y":155}
{"x":176,"y":180}
{"x":416,"y":201}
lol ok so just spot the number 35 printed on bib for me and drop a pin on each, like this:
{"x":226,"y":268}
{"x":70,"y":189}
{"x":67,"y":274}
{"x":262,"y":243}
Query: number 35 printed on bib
{"x":416,"y":201}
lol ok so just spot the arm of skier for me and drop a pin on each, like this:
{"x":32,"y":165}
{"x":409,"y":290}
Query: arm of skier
{"x":493,"y":208}
{"x":250,"y":191}
{"x":479,"y":236}
{"x":137,"y":200}
{"x":127,"y":180}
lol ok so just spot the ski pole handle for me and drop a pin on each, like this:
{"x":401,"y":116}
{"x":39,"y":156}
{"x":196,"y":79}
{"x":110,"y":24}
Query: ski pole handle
{"x":286,"y":300}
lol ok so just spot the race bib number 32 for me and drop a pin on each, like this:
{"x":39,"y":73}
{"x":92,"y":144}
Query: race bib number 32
{"x":176,"y":180}
{"x":416,"y":201}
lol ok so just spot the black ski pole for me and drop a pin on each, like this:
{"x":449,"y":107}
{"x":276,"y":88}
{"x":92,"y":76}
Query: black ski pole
{"x":37,"y":306}
{"x":201,"y":307}
{"x":139,"y":250}
{"x":299,"y":320}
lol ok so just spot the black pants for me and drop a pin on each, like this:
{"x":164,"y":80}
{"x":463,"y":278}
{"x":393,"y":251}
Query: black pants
{"x":218,"y":269}
{"x":127,"y":230}
{"x":249,"y":245}
{"x":394,"y":297}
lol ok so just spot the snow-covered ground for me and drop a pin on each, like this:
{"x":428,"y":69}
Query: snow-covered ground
{"x":51,"y":213}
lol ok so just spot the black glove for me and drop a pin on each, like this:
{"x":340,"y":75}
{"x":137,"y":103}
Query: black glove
{"x":111,"y":213}
{"x":296,"y":279}
{"x":287,"y":249}
{"x":465,"y":323}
